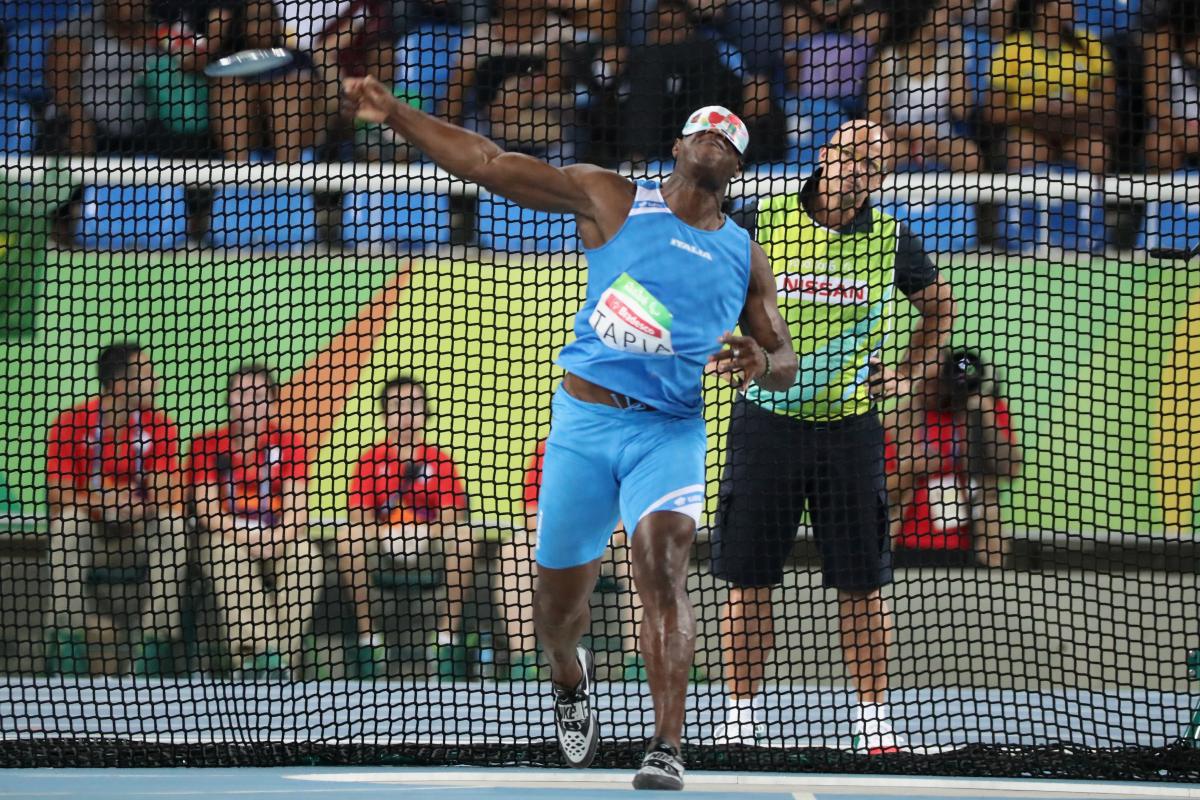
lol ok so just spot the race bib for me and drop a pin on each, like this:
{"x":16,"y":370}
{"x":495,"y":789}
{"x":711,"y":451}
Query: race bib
{"x":630,"y":319}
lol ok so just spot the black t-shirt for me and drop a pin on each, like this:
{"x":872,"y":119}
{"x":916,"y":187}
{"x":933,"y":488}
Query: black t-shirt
{"x":913,"y":271}
{"x":666,"y":83}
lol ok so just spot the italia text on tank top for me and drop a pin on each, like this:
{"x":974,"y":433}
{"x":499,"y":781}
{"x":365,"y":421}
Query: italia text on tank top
{"x":659,"y":295}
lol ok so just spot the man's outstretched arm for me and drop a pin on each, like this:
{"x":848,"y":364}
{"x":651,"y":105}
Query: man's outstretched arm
{"x":523,"y":179}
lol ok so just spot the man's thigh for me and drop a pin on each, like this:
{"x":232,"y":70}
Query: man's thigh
{"x":848,"y":505}
{"x":760,"y":503}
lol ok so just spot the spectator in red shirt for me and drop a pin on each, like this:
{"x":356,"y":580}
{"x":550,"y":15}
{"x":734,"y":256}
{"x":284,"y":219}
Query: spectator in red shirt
{"x":112,"y":485}
{"x":407,"y":499}
{"x":949,"y":450}
{"x":249,"y":485}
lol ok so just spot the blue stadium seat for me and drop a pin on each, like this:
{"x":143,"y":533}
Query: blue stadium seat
{"x":133,"y":217}
{"x":19,"y":11}
{"x":1172,"y":225}
{"x":17,"y":128}
{"x":941,"y":226}
{"x":505,"y":226}
{"x":815,"y":120}
{"x":1106,"y":17}
{"x":977,"y":64}
{"x":275,"y":219}
{"x":423,"y":61}
{"x":395,"y":218}
{"x":24,"y":75}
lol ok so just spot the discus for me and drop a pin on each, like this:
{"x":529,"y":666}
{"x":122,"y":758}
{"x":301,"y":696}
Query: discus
{"x":249,"y":63}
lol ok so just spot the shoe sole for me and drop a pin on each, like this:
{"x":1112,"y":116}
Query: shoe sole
{"x":659,"y":783}
{"x":588,"y":664}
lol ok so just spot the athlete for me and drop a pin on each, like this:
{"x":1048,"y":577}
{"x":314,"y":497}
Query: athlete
{"x":669,"y":277}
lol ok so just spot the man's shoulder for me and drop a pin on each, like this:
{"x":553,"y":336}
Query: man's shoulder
{"x":78,"y":415}
{"x":162,"y":420}
{"x":433,"y":455}
{"x":373,"y":456}
{"x":212,"y":440}
{"x":281,"y":437}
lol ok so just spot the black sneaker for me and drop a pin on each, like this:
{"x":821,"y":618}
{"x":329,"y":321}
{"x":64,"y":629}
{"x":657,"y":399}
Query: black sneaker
{"x":574,"y":719}
{"x":662,"y":768}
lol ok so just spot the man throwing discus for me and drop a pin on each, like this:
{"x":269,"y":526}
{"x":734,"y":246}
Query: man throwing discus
{"x":669,"y":277}
{"x":818,"y":445}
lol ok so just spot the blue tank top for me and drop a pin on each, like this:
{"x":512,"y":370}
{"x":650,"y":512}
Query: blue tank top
{"x":659,"y":295}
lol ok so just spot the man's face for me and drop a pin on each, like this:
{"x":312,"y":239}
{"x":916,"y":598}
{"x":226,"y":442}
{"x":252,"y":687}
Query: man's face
{"x":709,"y":157}
{"x":855,"y":163}
{"x":136,"y":388}
{"x":253,"y":403}
{"x":404,"y":414}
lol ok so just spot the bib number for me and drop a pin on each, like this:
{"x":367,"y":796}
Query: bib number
{"x":630,"y":319}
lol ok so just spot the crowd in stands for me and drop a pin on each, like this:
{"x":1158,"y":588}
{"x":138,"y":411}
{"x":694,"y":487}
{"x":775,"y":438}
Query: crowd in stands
{"x":963,"y":84}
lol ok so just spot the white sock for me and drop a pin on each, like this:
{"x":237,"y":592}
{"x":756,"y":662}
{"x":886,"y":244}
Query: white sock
{"x":370,"y":640}
{"x":445,"y":638}
{"x":870,"y":715}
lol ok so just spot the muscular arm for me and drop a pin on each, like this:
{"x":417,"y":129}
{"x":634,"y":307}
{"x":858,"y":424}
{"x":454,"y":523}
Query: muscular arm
{"x":294,"y":515}
{"x":762,"y":321}
{"x":597,"y":197}
{"x":935,"y":303}
{"x":214,"y":518}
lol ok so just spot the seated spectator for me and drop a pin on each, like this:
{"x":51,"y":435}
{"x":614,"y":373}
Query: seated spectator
{"x":867,"y":20}
{"x":681,"y":67}
{"x":248,"y":480}
{"x":675,"y":72}
{"x":822,"y":62}
{"x":1052,"y":90}
{"x":114,"y":495}
{"x":407,"y":501}
{"x":528,"y":104}
{"x":96,"y":73}
{"x":341,"y":38}
{"x":917,"y":90}
{"x":950,"y":449}
{"x":519,"y":567}
{"x":753,"y":28}
{"x":521,"y":30}
{"x":1173,"y":94}
{"x":280,"y":114}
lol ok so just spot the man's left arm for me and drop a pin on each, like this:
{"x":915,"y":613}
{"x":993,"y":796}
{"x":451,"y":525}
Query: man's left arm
{"x":293,"y":518}
{"x":765,"y":354}
{"x":931,"y":294}
{"x":995,"y":452}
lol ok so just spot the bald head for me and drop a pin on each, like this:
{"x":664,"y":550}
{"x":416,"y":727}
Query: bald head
{"x":855,"y":162}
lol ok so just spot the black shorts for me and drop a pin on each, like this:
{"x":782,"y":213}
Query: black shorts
{"x":776,"y":468}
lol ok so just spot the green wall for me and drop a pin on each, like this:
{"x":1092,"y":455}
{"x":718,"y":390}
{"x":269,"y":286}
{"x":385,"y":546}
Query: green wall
{"x":1079,"y":346}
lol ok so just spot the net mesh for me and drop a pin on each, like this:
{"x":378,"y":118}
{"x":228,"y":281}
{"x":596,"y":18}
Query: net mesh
{"x":278,"y":382}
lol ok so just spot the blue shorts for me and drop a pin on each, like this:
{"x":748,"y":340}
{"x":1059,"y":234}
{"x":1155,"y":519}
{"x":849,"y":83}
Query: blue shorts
{"x":603,"y":462}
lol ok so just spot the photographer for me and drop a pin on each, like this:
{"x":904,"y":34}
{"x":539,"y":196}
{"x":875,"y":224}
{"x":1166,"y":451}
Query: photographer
{"x":949,"y":449}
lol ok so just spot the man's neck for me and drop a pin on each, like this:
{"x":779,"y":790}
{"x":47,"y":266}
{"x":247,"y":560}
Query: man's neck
{"x":112,"y":413}
{"x":407,"y":448}
{"x":243,"y":441}
{"x":695,"y":204}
